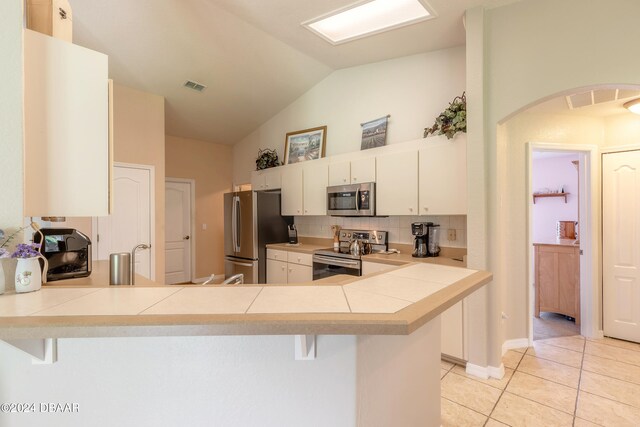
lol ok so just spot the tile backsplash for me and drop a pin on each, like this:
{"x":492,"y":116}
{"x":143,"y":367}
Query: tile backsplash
{"x":399,"y":227}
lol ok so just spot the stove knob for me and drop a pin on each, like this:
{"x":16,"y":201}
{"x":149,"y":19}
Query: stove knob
{"x":349,"y":235}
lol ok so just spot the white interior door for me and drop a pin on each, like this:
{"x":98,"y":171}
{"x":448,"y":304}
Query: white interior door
{"x":621,"y":244}
{"x":130,"y":222}
{"x":177,"y":232}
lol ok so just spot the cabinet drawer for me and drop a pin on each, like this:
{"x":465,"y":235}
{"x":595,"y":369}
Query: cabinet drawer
{"x":300,"y":258}
{"x":277,"y":254}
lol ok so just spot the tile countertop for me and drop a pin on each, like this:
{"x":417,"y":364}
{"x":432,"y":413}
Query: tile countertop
{"x":394,"y":302}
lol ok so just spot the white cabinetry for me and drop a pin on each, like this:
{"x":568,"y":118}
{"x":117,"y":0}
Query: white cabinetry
{"x":267,"y":179}
{"x":66,"y":133}
{"x":353,"y":172}
{"x":292,"y":191}
{"x":397,"y":183}
{"x":288,"y":267}
{"x":315,"y":178}
{"x":443,"y":178}
{"x":363,"y":170}
{"x":340,"y":173}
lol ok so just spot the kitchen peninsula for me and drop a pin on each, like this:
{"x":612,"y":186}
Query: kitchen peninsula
{"x":377,"y":349}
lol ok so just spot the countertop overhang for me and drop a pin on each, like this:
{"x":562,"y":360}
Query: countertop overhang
{"x":55,"y":322}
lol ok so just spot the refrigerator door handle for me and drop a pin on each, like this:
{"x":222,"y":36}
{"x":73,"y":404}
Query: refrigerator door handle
{"x":233,"y":222}
{"x":243,"y":264}
{"x":238,"y":217}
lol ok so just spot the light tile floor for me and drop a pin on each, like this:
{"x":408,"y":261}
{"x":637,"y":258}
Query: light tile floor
{"x":565,"y":381}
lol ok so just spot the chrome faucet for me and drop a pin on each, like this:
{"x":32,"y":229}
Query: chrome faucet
{"x":133,"y":261}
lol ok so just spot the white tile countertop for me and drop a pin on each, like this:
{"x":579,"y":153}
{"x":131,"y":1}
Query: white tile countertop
{"x":393,"y":302}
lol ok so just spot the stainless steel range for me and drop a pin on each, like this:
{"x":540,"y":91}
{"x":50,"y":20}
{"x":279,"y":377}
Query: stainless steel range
{"x":330,"y":261}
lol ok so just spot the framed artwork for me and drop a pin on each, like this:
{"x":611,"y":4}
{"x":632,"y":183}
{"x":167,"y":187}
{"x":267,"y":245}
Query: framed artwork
{"x":374,"y":133}
{"x":303,"y":145}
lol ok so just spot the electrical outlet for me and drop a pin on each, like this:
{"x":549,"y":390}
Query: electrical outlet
{"x":451,"y":234}
{"x":204,"y":226}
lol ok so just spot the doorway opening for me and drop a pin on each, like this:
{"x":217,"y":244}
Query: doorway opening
{"x":560,"y":245}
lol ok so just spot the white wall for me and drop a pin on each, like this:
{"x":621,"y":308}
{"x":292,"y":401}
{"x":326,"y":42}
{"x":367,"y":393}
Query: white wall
{"x":622,"y":129}
{"x":553,"y":174}
{"x":412,"y":89}
{"x":11,"y":83}
{"x":535,"y":50}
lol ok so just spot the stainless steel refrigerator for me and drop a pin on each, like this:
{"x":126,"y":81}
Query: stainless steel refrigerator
{"x":251,"y":221}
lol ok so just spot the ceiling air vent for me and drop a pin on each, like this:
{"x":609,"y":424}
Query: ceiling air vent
{"x":199,"y":87}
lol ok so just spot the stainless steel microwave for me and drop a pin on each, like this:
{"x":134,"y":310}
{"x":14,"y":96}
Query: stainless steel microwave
{"x":352,"y":200}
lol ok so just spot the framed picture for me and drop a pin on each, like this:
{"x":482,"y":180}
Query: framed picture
{"x":302,"y":145}
{"x":374,"y":133}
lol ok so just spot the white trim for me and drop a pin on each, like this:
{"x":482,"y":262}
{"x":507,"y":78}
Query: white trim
{"x":517,"y":343}
{"x":590,"y":302}
{"x":485,"y":372}
{"x":152,"y":215}
{"x":192,"y":187}
{"x":619,"y":148}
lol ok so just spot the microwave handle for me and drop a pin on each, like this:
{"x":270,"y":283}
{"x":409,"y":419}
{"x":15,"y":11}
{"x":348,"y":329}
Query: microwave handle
{"x":358,"y":200}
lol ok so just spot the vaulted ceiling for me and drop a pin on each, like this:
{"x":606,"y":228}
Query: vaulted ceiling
{"x":253,"y":55}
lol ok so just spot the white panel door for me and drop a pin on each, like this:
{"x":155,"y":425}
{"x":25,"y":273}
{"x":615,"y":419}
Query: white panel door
{"x":292,"y":191}
{"x":443,"y":178}
{"x":177,"y":232}
{"x":397,"y":184}
{"x":621,"y":244}
{"x":130,"y":222}
{"x":315,"y":179}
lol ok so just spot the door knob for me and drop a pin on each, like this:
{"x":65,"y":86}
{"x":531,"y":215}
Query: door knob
{"x":186,"y":237}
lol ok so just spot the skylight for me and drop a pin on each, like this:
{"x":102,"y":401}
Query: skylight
{"x":368,"y":18}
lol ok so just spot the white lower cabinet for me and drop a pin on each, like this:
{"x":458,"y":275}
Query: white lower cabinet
{"x":452,"y":341}
{"x":276,"y":271}
{"x":288,"y":267}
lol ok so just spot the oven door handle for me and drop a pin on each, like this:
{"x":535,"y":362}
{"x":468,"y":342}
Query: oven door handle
{"x":333,"y":261}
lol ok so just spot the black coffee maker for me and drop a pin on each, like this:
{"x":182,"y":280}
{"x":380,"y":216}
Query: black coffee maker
{"x":426,"y":236}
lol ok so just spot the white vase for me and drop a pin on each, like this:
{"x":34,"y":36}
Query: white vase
{"x":28,"y":275}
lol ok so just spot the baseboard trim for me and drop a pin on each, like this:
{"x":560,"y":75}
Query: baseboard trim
{"x":485,"y":372}
{"x":517,"y":343}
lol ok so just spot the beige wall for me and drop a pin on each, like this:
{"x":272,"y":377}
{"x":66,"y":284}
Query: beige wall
{"x":533,"y":50}
{"x":210,"y":166}
{"x":622,"y":129}
{"x":139,"y":138}
{"x":413,"y":90}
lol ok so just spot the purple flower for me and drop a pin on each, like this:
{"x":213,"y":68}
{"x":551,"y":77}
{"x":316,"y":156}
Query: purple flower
{"x":25,"y":250}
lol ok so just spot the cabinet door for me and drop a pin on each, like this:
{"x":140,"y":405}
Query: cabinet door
{"x":316,"y":178}
{"x":257,"y":180}
{"x":374,"y":267}
{"x":397,"y":183}
{"x":340,"y":173}
{"x":299,"y":273}
{"x":66,"y":132}
{"x":452,"y":335}
{"x":292,"y":191}
{"x":443,"y":178}
{"x":363,"y":170}
{"x":276,"y":272}
{"x":272,"y":179}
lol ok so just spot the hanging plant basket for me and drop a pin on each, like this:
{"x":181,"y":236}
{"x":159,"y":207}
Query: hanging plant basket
{"x":452,"y":120}
{"x":267,"y":158}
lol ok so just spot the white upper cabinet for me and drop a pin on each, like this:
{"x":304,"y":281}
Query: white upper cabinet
{"x":66,"y":133}
{"x":353,"y":172}
{"x":340,"y":173}
{"x":397,"y":183}
{"x":315,"y":178}
{"x":443,"y":177}
{"x":267,"y":179}
{"x":363,"y":170}
{"x":292,"y":191}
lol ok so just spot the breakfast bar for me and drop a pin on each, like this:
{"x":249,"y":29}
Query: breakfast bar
{"x":371,"y":344}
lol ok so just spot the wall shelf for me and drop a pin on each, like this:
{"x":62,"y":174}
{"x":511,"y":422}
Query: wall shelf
{"x":539,"y":195}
